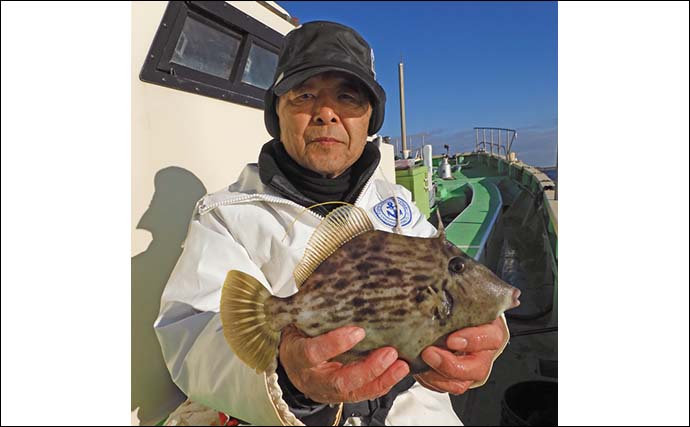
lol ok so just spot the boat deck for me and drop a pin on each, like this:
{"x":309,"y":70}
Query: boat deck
{"x":471,"y":228}
{"x":477,"y":203}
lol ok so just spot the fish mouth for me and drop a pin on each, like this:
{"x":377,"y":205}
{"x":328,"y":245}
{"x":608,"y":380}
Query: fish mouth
{"x":516,"y":295}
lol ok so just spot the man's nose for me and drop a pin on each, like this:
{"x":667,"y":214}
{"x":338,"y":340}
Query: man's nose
{"x":325,"y":113}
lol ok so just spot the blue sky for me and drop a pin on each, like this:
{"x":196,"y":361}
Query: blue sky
{"x":467,"y":64}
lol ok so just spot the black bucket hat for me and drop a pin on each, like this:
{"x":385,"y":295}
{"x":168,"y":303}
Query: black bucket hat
{"x":314,"y":48}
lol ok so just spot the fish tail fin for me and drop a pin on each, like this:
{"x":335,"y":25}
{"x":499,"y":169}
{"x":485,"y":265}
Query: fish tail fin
{"x":246,"y":323}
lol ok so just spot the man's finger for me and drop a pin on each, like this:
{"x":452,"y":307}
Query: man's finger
{"x":357,"y":374}
{"x":421,"y":379}
{"x":478,"y":338}
{"x":470,"y":367}
{"x":381,"y":385}
{"x":441,"y":384}
{"x":291,"y":333}
{"x":325,"y":347}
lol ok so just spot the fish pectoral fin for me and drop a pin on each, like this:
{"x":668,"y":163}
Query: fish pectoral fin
{"x":440,"y":306}
{"x":245,"y":321}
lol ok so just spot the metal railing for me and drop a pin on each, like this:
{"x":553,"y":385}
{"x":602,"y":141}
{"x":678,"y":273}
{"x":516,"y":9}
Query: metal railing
{"x":494,"y":140}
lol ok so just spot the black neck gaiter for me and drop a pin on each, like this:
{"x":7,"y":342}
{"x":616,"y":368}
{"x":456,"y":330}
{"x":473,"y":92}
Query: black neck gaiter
{"x":306,"y":187}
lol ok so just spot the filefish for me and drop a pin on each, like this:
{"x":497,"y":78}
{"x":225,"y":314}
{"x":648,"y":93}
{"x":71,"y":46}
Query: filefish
{"x":406,"y":292}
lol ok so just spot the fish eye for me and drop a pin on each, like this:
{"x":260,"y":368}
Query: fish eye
{"x":456,"y":265}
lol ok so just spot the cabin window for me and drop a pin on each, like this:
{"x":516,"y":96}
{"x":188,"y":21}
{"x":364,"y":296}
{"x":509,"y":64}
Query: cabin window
{"x":206,"y":49}
{"x":260,"y":67}
{"x":213,"y":49}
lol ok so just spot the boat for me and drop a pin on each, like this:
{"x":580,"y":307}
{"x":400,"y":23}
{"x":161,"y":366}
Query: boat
{"x":504,"y":213}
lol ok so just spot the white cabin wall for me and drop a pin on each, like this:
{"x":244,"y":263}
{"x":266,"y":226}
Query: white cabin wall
{"x":210,"y":138}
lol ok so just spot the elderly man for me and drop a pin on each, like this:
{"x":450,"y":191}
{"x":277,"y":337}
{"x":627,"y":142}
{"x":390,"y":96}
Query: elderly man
{"x":323,"y":104}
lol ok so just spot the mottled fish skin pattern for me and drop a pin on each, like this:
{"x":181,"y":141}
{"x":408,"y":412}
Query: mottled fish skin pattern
{"x":383,"y":283}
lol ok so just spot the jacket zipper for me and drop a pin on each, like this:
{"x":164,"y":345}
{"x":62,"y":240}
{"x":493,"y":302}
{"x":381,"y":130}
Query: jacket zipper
{"x":204,"y":209}
{"x":364,"y":190}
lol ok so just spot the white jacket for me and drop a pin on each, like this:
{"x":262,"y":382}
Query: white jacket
{"x":250,"y":227}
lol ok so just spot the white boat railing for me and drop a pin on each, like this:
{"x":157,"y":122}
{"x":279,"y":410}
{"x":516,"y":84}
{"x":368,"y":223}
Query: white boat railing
{"x":497,"y":139}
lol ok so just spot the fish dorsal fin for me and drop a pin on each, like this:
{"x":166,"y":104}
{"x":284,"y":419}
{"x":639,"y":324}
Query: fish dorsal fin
{"x":339,"y":227}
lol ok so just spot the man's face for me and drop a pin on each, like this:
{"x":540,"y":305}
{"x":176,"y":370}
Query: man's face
{"x":324,"y":122}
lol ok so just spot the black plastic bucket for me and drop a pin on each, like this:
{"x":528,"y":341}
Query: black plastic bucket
{"x":530,"y":403}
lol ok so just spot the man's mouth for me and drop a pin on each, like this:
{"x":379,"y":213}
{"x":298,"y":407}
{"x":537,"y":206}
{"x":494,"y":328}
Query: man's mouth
{"x":327,"y":141}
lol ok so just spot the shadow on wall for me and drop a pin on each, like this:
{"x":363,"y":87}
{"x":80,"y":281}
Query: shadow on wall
{"x":176,"y":192}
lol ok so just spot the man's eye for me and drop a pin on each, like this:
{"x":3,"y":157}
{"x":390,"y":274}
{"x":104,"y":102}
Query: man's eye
{"x":349,"y":97}
{"x":302,"y":97}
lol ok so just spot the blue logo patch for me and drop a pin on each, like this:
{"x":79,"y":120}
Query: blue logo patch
{"x":385,"y":212}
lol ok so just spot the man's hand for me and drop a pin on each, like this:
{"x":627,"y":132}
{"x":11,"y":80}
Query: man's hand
{"x":306,"y":362}
{"x":455,"y":373}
